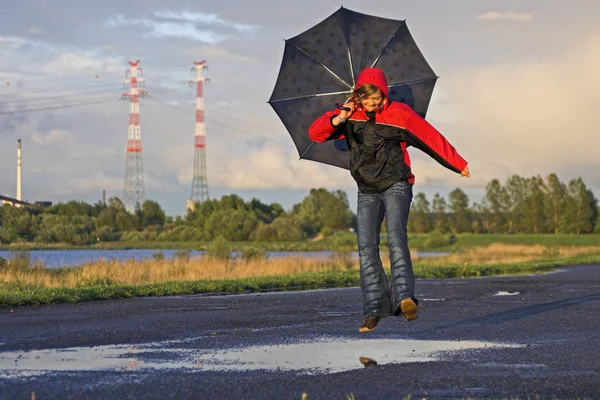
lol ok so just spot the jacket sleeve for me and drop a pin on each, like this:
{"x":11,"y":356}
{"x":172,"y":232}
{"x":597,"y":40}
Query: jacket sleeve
{"x":422,"y":135}
{"x":322,"y":128}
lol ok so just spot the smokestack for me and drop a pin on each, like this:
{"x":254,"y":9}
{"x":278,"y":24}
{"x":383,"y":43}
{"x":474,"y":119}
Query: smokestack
{"x":19,"y":170}
{"x":104,"y":197}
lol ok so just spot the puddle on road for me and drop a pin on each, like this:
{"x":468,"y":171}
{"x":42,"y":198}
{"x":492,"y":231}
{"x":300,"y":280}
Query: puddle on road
{"x":327,"y":356}
{"x":506,"y":293}
{"x":320,"y":356}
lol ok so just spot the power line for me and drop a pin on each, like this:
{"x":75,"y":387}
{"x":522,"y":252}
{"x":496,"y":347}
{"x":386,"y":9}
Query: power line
{"x":68,"y":86}
{"x":210,"y":119}
{"x":53,"y":97}
{"x":28,"y":110}
{"x":32,"y":100}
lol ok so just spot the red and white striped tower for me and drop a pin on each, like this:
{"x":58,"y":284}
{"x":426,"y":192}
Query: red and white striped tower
{"x":134,"y":192}
{"x":199,"y":183}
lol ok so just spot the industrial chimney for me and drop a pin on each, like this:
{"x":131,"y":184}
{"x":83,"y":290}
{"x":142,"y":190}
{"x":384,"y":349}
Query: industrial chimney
{"x":19,"y":170}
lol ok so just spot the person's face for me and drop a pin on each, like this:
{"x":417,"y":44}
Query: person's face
{"x":372,"y":102}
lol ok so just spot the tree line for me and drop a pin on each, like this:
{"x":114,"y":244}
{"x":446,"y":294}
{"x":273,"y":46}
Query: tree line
{"x":520,"y":205}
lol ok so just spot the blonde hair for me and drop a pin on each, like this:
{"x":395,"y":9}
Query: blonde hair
{"x":364,"y":91}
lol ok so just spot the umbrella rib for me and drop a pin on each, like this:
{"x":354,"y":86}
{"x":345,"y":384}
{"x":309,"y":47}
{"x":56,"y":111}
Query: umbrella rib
{"x":307,"y":149}
{"x":321,"y":64}
{"x":311,"y":95}
{"x":388,"y":43}
{"x":349,"y":53}
{"x":413,"y":82}
{"x":351,"y":66}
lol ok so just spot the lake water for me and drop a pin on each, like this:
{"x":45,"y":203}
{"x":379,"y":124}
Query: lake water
{"x":70,"y":258}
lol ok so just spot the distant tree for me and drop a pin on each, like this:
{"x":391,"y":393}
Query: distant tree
{"x":459,"y":206}
{"x":73,"y":208}
{"x":232,"y":202}
{"x":419,"y":219}
{"x":233,"y":225}
{"x":322,"y":208}
{"x":581,"y":208}
{"x":496,"y":206}
{"x":152,"y":214}
{"x":477,"y":215}
{"x":200,"y":214}
{"x":516,"y":191}
{"x":265,"y":213}
{"x":115,"y":202}
{"x":283,"y":228}
{"x":125,"y":221}
{"x":18,"y":222}
{"x":556,"y":196}
{"x":440,"y":209}
{"x":534,"y":216}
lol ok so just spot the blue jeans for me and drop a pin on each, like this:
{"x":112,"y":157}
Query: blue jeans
{"x":379,"y":298}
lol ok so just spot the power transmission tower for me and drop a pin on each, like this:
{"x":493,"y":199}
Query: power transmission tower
{"x":134,"y":192}
{"x":200,"y":182}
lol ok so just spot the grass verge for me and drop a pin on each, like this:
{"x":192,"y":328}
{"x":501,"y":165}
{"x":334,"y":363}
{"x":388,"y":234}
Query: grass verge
{"x":29,"y":294}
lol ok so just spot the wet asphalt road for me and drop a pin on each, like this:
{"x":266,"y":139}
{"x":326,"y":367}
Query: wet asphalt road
{"x":552,"y":326}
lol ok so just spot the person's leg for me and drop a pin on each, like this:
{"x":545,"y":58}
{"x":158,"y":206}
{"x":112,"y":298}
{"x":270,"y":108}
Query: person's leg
{"x":373,"y":282}
{"x":397,"y":201}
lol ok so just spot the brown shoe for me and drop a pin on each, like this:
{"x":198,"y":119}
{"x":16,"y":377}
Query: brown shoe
{"x":370,"y":323}
{"x":408,"y":307}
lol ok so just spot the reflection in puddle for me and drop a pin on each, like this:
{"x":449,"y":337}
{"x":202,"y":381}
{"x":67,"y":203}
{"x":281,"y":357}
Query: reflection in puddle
{"x":320,"y":356}
{"x":367,"y":362}
{"x":326,"y":356}
{"x":505,"y":293}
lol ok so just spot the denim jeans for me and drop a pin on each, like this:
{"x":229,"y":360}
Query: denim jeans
{"x":379,"y":298}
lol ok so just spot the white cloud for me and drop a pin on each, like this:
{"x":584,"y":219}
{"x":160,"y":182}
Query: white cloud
{"x":69,"y":63}
{"x":157,"y":29}
{"x":505,"y":16}
{"x":213,"y":52}
{"x":52,"y":136}
{"x":11,"y":41}
{"x":184,"y":24}
{"x":275,"y":167}
{"x":530,"y":117}
{"x":203,"y":18}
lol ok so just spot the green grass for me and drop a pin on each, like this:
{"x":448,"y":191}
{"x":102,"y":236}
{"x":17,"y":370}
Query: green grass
{"x":21,"y":295}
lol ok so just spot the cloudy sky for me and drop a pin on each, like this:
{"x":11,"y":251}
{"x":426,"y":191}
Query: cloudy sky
{"x":518,"y":93}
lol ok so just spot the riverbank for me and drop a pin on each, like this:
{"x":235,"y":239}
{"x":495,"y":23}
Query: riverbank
{"x":26,"y":285}
{"x":341,"y":241}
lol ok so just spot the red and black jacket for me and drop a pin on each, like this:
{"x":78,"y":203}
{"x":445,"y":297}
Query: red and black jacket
{"x":378,"y":140}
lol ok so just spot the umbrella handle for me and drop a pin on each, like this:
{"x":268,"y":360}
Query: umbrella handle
{"x":337,"y":105}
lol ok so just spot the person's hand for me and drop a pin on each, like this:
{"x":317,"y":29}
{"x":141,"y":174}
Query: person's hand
{"x":344,"y":114}
{"x":465,"y":172}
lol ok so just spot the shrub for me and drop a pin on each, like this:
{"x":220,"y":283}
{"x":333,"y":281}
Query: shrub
{"x":253,"y":253}
{"x":326,"y":231}
{"x":437,"y":239}
{"x":220,"y":248}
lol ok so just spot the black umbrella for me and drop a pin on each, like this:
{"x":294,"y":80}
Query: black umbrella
{"x":320,"y":66}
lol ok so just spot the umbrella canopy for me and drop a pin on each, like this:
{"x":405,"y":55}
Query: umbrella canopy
{"x":320,"y":67}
